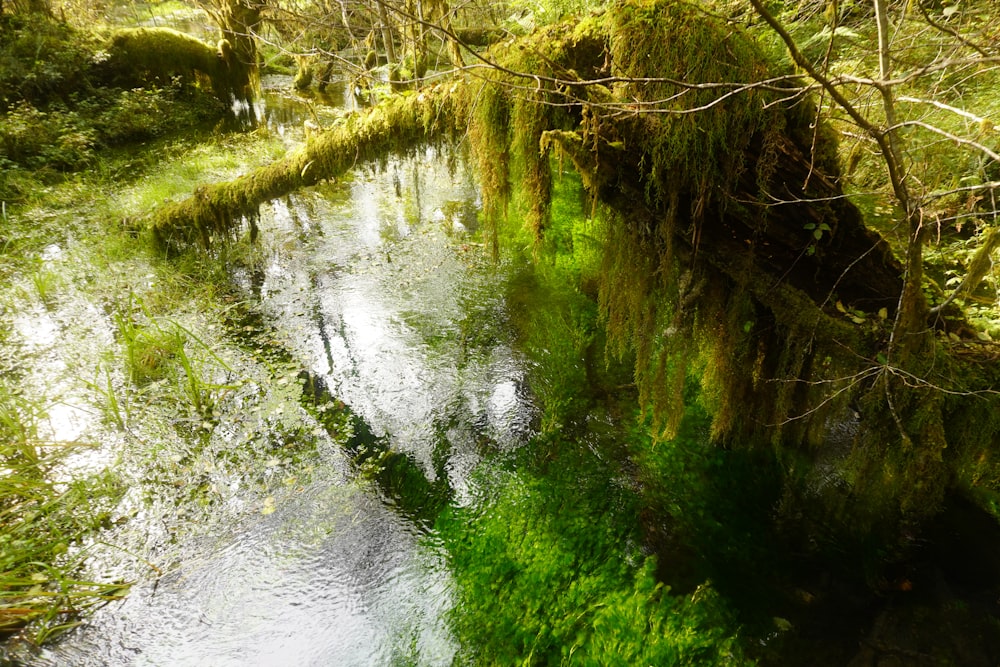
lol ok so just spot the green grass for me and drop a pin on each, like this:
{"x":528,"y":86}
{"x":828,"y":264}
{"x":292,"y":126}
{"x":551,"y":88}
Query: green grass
{"x":42,"y":524}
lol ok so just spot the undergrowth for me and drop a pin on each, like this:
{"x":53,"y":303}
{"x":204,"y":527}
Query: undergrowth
{"x":60,"y":111}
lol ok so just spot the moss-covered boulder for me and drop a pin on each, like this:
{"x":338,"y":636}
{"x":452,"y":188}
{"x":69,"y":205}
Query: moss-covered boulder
{"x":141,"y":56}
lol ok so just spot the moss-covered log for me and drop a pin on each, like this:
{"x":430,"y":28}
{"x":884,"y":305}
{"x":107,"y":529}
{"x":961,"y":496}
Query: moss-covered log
{"x":215,"y":212}
{"x":731,"y":253}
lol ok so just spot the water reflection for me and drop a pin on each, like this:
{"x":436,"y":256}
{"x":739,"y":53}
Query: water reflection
{"x":286,"y":112}
{"x":375,"y":292}
{"x":370,"y":285}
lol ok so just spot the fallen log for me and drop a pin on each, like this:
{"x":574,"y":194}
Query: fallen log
{"x":731,"y":252}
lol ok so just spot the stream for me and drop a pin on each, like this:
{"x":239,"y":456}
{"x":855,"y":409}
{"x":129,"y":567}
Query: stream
{"x":367,"y":284}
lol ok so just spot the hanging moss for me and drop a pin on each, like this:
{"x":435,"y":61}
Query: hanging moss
{"x":509,"y":116}
{"x":303,"y":73}
{"x":653,"y":295}
{"x":780,"y":312}
{"x":489,"y":133}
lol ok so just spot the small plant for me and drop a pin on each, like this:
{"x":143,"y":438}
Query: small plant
{"x":817,"y":234}
{"x":147,"y":348}
{"x":117,"y":411}
{"x":158,"y":351}
{"x":46,"y":283}
{"x":201,"y":394}
{"x":18,"y":428}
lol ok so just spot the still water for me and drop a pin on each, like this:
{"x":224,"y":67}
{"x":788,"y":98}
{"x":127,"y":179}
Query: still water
{"x":375,"y":285}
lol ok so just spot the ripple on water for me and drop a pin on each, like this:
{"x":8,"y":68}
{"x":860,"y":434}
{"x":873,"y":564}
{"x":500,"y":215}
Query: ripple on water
{"x":373,"y":295}
{"x":331,"y":578}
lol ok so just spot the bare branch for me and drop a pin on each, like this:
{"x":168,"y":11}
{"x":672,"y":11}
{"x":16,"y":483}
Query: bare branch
{"x":880,"y":137}
{"x":933,"y":68}
{"x":946,"y":107}
{"x":957,"y":139}
{"x":992,"y":185}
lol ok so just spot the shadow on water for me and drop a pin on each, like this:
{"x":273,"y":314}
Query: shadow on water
{"x":937,"y":605}
{"x":399,"y":478}
{"x":712,"y":514}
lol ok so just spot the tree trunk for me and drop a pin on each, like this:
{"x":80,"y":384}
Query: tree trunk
{"x":238,"y":22}
{"x":383,"y":21}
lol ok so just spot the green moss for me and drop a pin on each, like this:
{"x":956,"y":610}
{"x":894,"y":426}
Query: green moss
{"x":489,"y":132}
{"x":546,"y":574}
{"x":303,"y":74}
{"x":652,"y":38}
{"x":145,"y":54}
{"x":507,"y":130}
{"x":656,"y":297}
